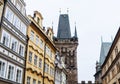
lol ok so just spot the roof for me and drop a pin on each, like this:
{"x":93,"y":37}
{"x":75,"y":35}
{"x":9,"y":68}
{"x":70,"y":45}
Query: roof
{"x":104,"y":51}
{"x":64,"y":27}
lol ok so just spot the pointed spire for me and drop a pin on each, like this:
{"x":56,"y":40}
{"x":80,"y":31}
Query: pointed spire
{"x":60,"y":10}
{"x":52,"y":25}
{"x":75,"y":31}
{"x":67,"y":10}
{"x":101,"y":39}
{"x":64,"y":31}
{"x":112,"y":38}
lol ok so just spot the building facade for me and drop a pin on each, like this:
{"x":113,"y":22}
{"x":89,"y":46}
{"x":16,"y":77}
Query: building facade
{"x":40,"y":53}
{"x":111,"y":66}
{"x":60,"y":71}
{"x":105,"y":46}
{"x":1,"y":8}
{"x":13,"y":42}
{"x":67,"y":47}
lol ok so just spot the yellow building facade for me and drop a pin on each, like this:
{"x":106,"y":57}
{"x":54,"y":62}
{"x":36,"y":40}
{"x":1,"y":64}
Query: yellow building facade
{"x":40,"y":53}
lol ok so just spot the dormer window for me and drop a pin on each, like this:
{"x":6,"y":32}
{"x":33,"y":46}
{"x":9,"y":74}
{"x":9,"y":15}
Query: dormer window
{"x":38,"y":20}
{"x":116,"y":50}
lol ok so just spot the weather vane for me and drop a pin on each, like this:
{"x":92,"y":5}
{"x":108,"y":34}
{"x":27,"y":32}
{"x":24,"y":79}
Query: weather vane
{"x":60,"y":10}
{"x":67,"y":10}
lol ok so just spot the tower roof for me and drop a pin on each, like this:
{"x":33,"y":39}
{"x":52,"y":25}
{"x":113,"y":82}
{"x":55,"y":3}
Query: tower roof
{"x":104,"y":51}
{"x":64,"y":27}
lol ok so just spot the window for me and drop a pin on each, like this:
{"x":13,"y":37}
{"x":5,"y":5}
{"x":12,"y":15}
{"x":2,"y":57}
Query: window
{"x":38,"y":20}
{"x":34,"y":81}
{"x":2,"y":68}
{"x":41,"y":43}
{"x":28,"y":80}
{"x":39,"y":82}
{"x":21,"y":50}
{"x":40,"y":63}
{"x":23,"y":28}
{"x":18,"y":5}
{"x":51,"y":54}
{"x":5,"y":38}
{"x":32,"y":36}
{"x":118,"y":67}
{"x":35,"y":60}
{"x":14,"y":44}
{"x":46,"y":68}
{"x":37,"y":39}
{"x":11,"y":72}
{"x":116,"y":50}
{"x":23,"y":11}
{"x":52,"y":71}
{"x":16,"y":22}
{"x":30,"y":57}
{"x":48,"y":50}
{"x":111,"y":58}
{"x":9,"y":14}
{"x":18,"y":75}
{"x":113,"y":72}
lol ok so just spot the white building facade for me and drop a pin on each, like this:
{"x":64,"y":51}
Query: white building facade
{"x":13,"y":41}
{"x":60,"y":72}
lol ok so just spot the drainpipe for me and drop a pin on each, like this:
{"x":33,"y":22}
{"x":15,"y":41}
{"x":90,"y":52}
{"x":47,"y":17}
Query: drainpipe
{"x":44,"y":62}
{"x":26,"y":53}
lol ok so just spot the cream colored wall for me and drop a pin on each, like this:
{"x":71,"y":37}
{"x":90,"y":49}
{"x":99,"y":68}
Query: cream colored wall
{"x":117,"y":74}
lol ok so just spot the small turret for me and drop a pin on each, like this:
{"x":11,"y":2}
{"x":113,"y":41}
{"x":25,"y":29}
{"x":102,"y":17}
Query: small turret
{"x":75,"y":32}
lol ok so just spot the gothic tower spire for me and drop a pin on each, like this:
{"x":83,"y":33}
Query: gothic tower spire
{"x":63,"y":27}
{"x":67,"y":47}
{"x":75,"y":32}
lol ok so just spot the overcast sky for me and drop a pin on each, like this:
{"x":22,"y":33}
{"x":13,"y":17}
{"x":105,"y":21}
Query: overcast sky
{"x":94,"y":18}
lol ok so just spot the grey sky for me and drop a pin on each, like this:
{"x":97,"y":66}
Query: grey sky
{"x":94,"y":18}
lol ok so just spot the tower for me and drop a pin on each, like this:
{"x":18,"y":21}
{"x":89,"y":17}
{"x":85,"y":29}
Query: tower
{"x":105,"y":46}
{"x":67,"y":47}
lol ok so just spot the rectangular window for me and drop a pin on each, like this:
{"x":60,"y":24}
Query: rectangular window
{"x":23,"y":11}
{"x":40,"y":63}
{"x":21,"y":50}
{"x":37,"y":40}
{"x":9,"y":15}
{"x":46,"y":68}
{"x":51,"y":71}
{"x":48,"y":50}
{"x":11,"y":72}
{"x":35,"y":60}
{"x":51,"y":54}
{"x":18,"y":5}
{"x":5,"y":38}
{"x":19,"y":75}
{"x":30,"y":57}
{"x":14,"y":44}
{"x":23,"y":28}
{"x":32,"y":35}
{"x":2,"y":69}
{"x":41,"y":43}
{"x":34,"y":81}
{"x":16,"y":22}
{"x":28,"y":80}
